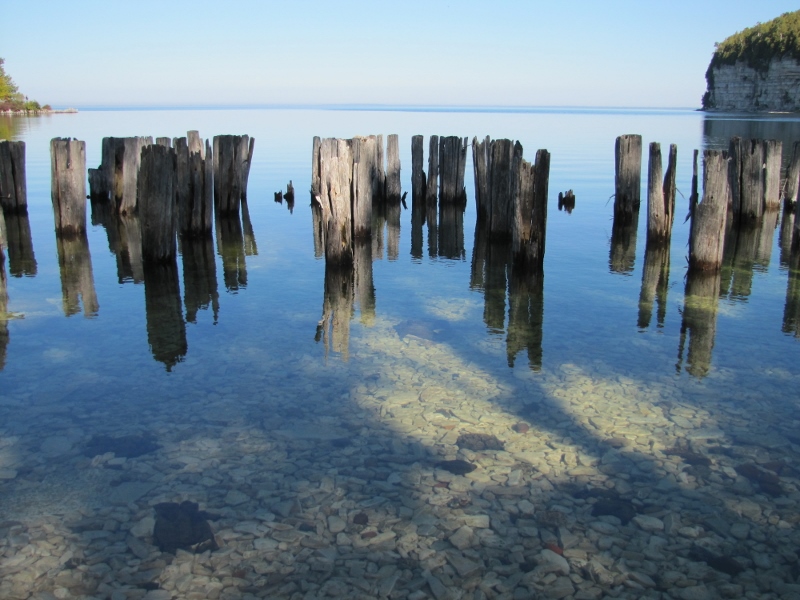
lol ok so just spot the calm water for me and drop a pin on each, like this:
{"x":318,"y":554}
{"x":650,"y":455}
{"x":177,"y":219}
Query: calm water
{"x":95,"y":346}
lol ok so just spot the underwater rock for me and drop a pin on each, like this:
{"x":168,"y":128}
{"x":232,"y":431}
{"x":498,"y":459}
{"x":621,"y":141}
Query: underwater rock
{"x":724,"y":564}
{"x":615,"y":507}
{"x":127,"y":446}
{"x":479,"y":441}
{"x":457,"y":467}
{"x":689,"y":457}
{"x":182,"y":526}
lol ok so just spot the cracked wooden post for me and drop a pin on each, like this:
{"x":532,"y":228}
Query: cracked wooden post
{"x":660,"y":196}
{"x":529,"y":223}
{"x":452,"y":164}
{"x":707,"y":234}
{"x":132,"y":158}
{"x":417,"y":173}
{"x":392,"y":169}
{"x":433,"y":171}
{"x":627,"y":177}
{"x":480,"y":163}
{"x":68,"y":185}
{"x":232,"y":157}
{"x":156,"y":191}
{"x":336,"y":174}
{"x":364,"y":174}
{"x":13,"y":184}
{"x":792,"y":184}
{"x":773,"y":150}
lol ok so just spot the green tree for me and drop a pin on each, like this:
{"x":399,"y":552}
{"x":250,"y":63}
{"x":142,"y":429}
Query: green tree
{"x":7,"y":86}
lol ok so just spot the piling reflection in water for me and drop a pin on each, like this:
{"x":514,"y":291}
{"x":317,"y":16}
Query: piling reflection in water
{"x":250,"y":246}
{"x":4,"y":335}
{"x":385,"y":219}
{"x":791,"y":310}
{"x":451,"y":230}
{"x":363,"y":284}
{"x":622,"y":258}
{"x":166,"y":331}
{"x":655,"y":283}
{"x":124,"y":240}
{"x":523,"y":293}
{"x":231,"y":247}
{"x":77,"y":279}
{"x":699,"y":322}
{"x":333,"y":328}
{"x":785,"y":237}
{"x":748,"y":248}
{"x":199,"y":277}
{"x":21,"y":259}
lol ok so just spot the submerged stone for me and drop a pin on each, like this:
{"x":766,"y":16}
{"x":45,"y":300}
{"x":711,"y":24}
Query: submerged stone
{"x":615,"y":507}
{"x":127,"y":446}
{"x":182,"y":526}
{"x":479,"y":441}
{"x":457,"y":467}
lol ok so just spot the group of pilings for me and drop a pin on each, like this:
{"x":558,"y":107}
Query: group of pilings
{"x":348,"y":178}
{"x":173,"y":186}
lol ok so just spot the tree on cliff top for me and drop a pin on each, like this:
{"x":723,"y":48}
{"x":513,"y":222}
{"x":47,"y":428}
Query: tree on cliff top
{"x":7,"y":87}
{"x":758,"y":45}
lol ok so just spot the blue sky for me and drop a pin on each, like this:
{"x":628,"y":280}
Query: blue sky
{"x":491,"y":52}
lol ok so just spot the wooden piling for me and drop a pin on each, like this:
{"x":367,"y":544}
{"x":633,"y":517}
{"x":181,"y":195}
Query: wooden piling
{"x":68,"y":185}
{"x":792,"y":184}
{"x":364,"y":172}
{"x":752,"y":182}
{"x":392,"y":169}
{"x":164,"y":141}
{"x":3,"y":240}
{"x":13,"y":184}
{"x":379,"y":174}
{"x":232,"y":156}
{"x":417,"y":173}
{"x":433,"y":170}
{"x":530,"y":214}
{"x":660,"y":196}
{"x":505,"y":160}
{"x":193,"y":188}
{"x":336,"y":173}
{"x":132,"y":158}
{"x":628,"y":176}
{"x":452,"y":164}
{"x":735,"y":163}
{"x":480,"y":162}
{"x":707,"y":234}
{"x":693,"y":195}
{"x":773,"y":150}
{"x":315,"y":182}
{"x":156,"y":192}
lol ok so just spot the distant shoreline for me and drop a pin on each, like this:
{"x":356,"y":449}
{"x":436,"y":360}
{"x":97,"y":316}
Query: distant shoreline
{"x":28,"y":113}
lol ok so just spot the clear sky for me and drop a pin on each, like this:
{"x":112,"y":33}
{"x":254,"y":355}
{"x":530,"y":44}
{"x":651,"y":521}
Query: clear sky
{"x":631,"y":53}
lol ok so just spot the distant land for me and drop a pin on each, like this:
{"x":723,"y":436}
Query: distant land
{"x":12,"y":101}
{"x":757,"y":69}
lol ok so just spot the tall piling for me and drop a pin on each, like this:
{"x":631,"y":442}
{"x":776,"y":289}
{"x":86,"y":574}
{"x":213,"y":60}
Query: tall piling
{"x":68,"y":185}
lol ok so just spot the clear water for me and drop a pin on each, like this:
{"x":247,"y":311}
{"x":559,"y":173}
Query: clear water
{"x":77,"y":371}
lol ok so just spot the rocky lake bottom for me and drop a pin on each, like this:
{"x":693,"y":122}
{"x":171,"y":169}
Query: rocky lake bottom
{"x":419,"y":482}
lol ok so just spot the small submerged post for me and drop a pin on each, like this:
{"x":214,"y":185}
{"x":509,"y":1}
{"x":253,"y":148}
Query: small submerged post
{"x":68,"y":185}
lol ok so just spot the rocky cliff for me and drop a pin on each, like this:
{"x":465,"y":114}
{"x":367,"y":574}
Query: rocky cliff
{"x":757,"y":69}
{"x":740,"y":87}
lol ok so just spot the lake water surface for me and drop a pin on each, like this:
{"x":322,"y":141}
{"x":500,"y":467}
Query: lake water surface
{"x":277,"y":408}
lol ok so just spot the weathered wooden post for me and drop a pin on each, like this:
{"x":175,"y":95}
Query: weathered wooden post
{"x":232,"y":157}
{"x":773,"y":150}
{"x":379,"y":174}
{"x":707,"y":233}
{"x":693,"y":195}
{"x":336,"y":174}
{"x":68,"y":185}
{"x":392,"y":169}
{"x":364,"y":170}
{"x":156,"y":192}
{"x":752,"y":182}
{"x":4,"y":334}
{"x":628,"y":177}
{"x":530,"y":214}
{"x":452,"y":164}
{"x":131,"y":159}
{"x":660,"y":197}
{"x":417,"y":173}
{"x":505,"y":160}
{"x":164,"y":141}
{"x":433,"y":170}
{"x":735,"y":163}
{"x":480,"y":163}
{"x":3,"y":241}
{"x":193,"y":188}
{"x":315,"y":184}
{"x":792,"y":185}
{"x":13,"y":184}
